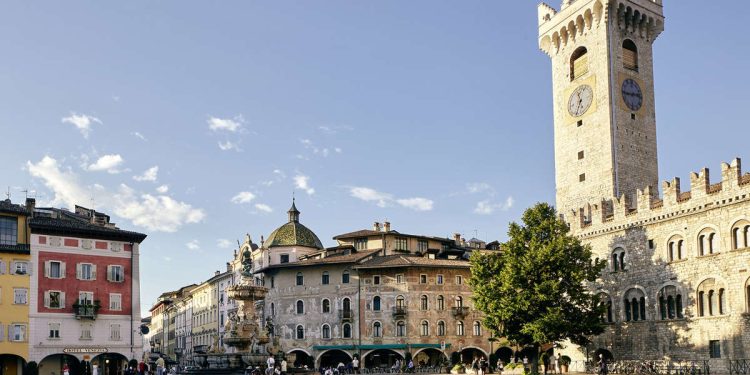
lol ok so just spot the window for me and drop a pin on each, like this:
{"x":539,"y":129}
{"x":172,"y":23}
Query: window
{"x":459,"y":279}
{"x":2,"y":272}
{"x":579,"y":123}
{"x":477,"y":329}
{"x":325,"y":278}
{"x":21,"y":267}
{"x":300,"y":332}
{"x":300,"y":279}
{"x":115,"y":301}
{"x":439,"y":280}
{"x":399,"y":279}
{"x":441,"y":328}
{"x":360,"y":244}
{"x":579,"y":63}
{"x":459,"y":302}
{"x":376,"y":303}
{"x":20,"y":296}
{"x":711,"y":298}
{"x":54,"y":330}
{"x":54,"y":269}
{"x":377,"y":330}
{"x":423,"y":279}
{"x":114,"y":332}
{"x":400,"y":301}
{"x":401,"y":244}
{"x":580,"y":155}
{"x":326,"y":331}
{"x":707,"y":242}
{"x":400,"y":328}
{"x":17,"y":332}
{"x":85,"y":271}
{"x":670,"y":303}
{"x":300,"y":307}
{"x":326,"y":306}
{"x":376,"y":280}
{"x":605,"y":300}
{"x":347,"y":304}
{"x":54,"y":299}
{"x":8,"y":231}
{"x":714,"y":349}
{"x":635,"y":305}
{"x":423,"y":302}
{"x":345,"y":277}
{"x":629,"y":55}
{"x":424,"y":329}
{"x":347,"y":331}
{"x":459,"y":328}
{"x":284,"y":258}
{"x":740,"y":234}
{"x":441,"y":303}
{"x":273,"y":282}
{"x":618,"y":259}
{"x":115,"y":274}
{"x":581,"y":177}
{"x":273,"y":309}
{"x":422,"y":246}
{"x":675,"y":249}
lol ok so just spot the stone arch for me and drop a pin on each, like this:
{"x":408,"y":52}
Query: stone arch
{"x":504,"y":354}
{"x":468,"y":352}
{"x":381,"y":358}
{"x":564,"y":36}
{"x":676,"y":247}
{"x":608,"y":316}
{"x":113,"y":362}
{"x":747,"y":295}
{"x":598,"y":11}
{"x":635,"y":304}
{"x":604,"y":353}
{"x":708,"y":240}
{"x":572,"y":32}
{"x":332,"y":357}
{"x":12,"y":363}
{"x":431,"y":357}
{"x":588,"y":17}
{"x":740,"y":234}
{"x":711,"y":297}
{"x":580,"y":24}
{"x":556,"y":41}
{"x":578,"y":62}
{"x":618,"y":256}
{"x":671,"y":299}
{"x":55,"y":362}
{"x":299,"y":357}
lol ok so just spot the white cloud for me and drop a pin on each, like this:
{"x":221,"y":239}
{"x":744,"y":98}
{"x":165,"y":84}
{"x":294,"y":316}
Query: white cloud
{"x":417,"y":204}
{"x":263,"y":207}
{"x":163,"y":189}
{"x":223,"y":243}
{"x":82,"y":122}
{"x":193,"y":245}
{"x":167,"y":259}
{"x":63,"y":184}
{"x":478,"y":187}
{"x":149,"y":175}
{"x":338,"y":150}
{"x":228,"y":145}
{"x":279,"y":173}
{"x":303,"y":182}
{"x":370,"y":195}
{"x":232,"y":125}
{"x":139,"y":135}
{"x":487,"y":207}
{"x":306,"y":142}
{"x":107,"y":163}
{"x":243,"y":197}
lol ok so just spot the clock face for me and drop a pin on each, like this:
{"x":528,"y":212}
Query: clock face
{"x":580,"y":100}
{"x":632,"y":94}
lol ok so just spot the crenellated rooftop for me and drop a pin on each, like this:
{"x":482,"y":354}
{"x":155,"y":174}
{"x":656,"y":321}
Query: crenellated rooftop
{"x":646,"y":207}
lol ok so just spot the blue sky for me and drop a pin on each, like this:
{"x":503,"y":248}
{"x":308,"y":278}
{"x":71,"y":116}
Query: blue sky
{"x":194,"y":122}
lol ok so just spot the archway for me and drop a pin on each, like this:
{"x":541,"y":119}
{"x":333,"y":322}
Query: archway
{"x":605,"y":353}
{"x":382,"y":358}
{"x":11,"y":364}
{"x":54,"y":364}
{"x":331,"y":358}
{"x":504,"y":354}
{"x":528,"y":352}
{"x":429,"y":357}
{"x":468,"y":354}
{"x":300,"y":358}
{"x":109,"y":364}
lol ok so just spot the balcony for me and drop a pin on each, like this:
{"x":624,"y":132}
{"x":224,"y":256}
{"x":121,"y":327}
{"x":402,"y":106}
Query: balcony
{"x":17,"y":248}
{"x":399,"y":312}
{"x":460,"y":312}
{"x":86,"y":311}
{"x":346,"y":315}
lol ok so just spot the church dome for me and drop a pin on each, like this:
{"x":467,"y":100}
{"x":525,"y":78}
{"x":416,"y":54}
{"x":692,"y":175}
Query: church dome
{"x":293,"y":233}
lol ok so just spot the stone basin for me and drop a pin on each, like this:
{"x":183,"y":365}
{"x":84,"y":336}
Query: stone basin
{"x":246,"y":292}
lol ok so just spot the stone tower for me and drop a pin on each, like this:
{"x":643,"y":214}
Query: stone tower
{"x":603,"y":98}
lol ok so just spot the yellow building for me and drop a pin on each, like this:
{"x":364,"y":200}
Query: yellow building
{"x":15,"y":271}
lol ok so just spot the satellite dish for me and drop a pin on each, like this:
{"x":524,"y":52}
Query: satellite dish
{"x":144,"y":330}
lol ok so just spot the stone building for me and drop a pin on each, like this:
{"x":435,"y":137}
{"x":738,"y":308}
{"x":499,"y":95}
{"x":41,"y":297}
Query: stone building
{"x":677,"y":283}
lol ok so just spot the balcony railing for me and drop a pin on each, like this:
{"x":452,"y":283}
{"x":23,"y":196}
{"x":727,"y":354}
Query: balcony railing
{"x":86,"y":311}
{"x":460,"y":312}
{"x":346,"y":315}
{"x":399,"y":311}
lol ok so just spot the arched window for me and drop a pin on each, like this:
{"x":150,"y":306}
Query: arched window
{"x":459,"y":301}
{"x":345,"y":277}
{"x":441,"y":328}
{"x":579,"y":63}
{"x":400,"y":301}
{"x":477,"y":328}
{"x":300,"y":307}
{"x":722,"y":301}
{"x":441,"y":303}
{"x":629,"y":55}
{"x":740,"y":233}
{"x":747,"y":295}
{"x":675,"y":249}
{"x":377,"y":330}
{"x":347,"y":331}
{"x":670,"y":303}
{"x":423,"y":302}
{"x":376,"y":303}
{"x":326,"y":331}
{"x":300,"y":279}
{"x":325,"y":278}
{"x":635,"y":305}
{"x":425,"y":328}
{"x":326,"y":306}
{"x":400,"y":328}
{"x":459,"y":328}
{"x":606,"y":301}
{"x":711,"y":298}
{"x":618,"y":259}
{"x":347,"y":304}
{"x":273,"y":309}
{"x":707,"y":242}
{"x":300,"y":332}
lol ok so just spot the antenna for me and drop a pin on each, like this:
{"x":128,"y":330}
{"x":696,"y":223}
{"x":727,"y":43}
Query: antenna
{"x":26,"y":192}
{"x":475,"y":234}
{"x":8,"y":193}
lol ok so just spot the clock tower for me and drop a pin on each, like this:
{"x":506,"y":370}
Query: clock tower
{"x":603,"y":98}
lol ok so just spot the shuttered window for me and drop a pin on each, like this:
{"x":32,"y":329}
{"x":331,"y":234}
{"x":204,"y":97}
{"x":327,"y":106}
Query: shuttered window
{"x":579,"y":63}
{"x":629,"y":55}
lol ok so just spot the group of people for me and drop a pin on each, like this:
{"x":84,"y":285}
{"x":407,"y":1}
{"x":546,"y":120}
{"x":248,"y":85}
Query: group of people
{"x":273,"y":369}
{"x":341,"y":368}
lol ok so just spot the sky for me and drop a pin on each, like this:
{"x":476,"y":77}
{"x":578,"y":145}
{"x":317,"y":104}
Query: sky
{"x":196,"y":122}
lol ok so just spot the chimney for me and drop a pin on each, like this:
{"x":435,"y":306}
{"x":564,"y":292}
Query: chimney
{"x":387,"y":226}
{"x":457,"y":238}
{"x":217,"y":272}
{"x":30,"y":205}
{"x":376,"y":226}
{"x":229,"y":267}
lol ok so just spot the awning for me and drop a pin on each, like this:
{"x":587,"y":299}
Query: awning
{"x":380,"y":346}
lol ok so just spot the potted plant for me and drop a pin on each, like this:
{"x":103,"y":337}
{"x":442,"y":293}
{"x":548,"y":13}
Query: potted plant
{"x":564,"y":363}
{"x":458,"y":369}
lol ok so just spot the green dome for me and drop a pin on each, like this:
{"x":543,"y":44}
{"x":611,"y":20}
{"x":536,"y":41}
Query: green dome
{"x":293,"y":234}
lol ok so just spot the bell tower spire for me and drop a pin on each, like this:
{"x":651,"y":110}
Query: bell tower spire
{"x":293,"y":213}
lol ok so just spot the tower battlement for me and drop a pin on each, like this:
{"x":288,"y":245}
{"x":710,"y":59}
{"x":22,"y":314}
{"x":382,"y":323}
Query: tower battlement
{"x":646,"y":207}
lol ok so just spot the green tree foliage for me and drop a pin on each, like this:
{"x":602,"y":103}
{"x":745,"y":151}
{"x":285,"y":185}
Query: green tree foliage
{"x":534,"y":290}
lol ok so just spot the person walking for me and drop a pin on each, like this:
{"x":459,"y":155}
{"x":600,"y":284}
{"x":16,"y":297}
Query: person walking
{"x":283,"y":366}
{"x":557,"y":364}
{"x":500,"y":366}
{"x":603,"y":370}
{"x":355,"y":365}
{"x":160,"y":366}
{"x":270,"y":364}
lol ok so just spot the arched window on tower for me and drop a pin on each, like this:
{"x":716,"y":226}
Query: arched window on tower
{"x":740,"y":232}
{"x":711,"y":298}
{"x":629,"y":55}
{"x":618,"y":259}
{"x":606,"y":301}
{"x":675,"y":250}
{"x":579,"y":63}
{"x":635,"y":305}
{"x":670,"y":303}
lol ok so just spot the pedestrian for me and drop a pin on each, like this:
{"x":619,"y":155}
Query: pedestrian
{"x":270,"y":362}
{"x":160,"y":366}
{"x":603,"y":370}
{"x":500,"y":366}
{"x":525,"y":362}
{"x":283,"y":366}
{"x":410,"y":366}
{"x":557,"y":364}
{"x":482,"y":366}
{"x":355,"y":364}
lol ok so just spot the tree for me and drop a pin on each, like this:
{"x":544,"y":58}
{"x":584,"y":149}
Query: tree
{"x":534,"y":290}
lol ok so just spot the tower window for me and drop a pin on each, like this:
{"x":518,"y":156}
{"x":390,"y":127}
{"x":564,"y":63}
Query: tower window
{"x":580,"y":155}
{"x":580,"y":123}
{"x":629,"y":55}
{"x":632,"y":116}
{"x":579,"y":63}
{"x":581,"y":177}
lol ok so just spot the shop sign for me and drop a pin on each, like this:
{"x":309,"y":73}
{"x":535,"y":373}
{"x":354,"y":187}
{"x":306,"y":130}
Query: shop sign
{"x":85,"y":350}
